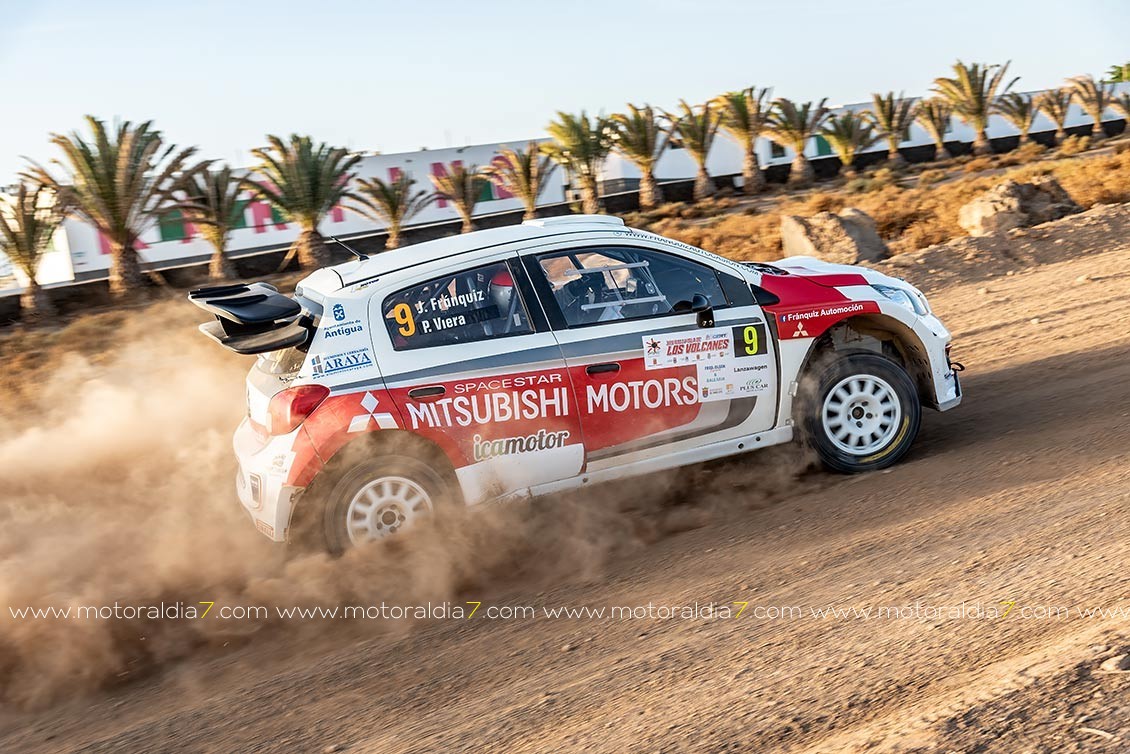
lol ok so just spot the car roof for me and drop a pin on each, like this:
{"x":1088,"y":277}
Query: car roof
{"x":410,"y":256}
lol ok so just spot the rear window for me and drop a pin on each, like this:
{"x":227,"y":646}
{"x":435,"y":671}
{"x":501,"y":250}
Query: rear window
{"x":461,"y":307}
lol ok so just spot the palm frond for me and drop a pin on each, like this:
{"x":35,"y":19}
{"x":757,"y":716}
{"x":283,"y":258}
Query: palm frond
{"x":791,"y":125}
{"x":28,"y":223}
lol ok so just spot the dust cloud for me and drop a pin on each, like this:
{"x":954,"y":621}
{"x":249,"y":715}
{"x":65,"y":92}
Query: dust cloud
{"x":117,"y":486}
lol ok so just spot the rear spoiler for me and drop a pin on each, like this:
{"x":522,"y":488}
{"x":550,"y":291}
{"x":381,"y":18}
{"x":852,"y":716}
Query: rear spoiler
{"x":253,"y":318}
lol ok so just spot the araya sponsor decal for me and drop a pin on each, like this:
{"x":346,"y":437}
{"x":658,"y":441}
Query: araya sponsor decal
{"x":639,"y":394}
{"x":507,"y":446}
{"x":341,"y":362}
{"x":490,"y":408}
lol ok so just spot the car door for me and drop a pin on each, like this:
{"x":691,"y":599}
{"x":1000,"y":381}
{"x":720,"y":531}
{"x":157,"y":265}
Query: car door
{"x":648,"y":379}
{"x":474,"y":368}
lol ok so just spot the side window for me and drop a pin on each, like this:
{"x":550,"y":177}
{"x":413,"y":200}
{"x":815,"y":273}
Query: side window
{"x":613,"y":283}
{"x":460,"y":307}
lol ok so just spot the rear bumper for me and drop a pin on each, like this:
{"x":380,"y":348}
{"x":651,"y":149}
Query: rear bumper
{"x":260,"y":483}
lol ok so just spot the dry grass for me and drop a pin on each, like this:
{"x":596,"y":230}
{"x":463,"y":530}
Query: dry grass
{"x":908,"y":218}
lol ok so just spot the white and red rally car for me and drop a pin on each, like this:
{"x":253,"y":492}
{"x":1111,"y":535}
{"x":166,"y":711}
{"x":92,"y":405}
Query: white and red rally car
{"x":558,"y":354}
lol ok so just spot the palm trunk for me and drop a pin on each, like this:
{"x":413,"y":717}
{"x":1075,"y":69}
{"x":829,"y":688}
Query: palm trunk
{"x":981,"y":144}
{"x":800,"y":172}
{"x":312,"y":250}
{"x":125,"y":269}
{"x":847,"y":165}
{"x":703,"y":186}
{"x":894,"y":156}
{"x":1060,"y":134}
{"x":590,"y":196}
{"x":940,"y":151}
{"x":392,"y":241}
{"x":468,"y":222}
{"x":219,"y":266}
{"x":1097,"y":133}
{"x":650,"y":193}
{"x":753,"y":181}
{"x":35,"y":304}
{"x":531,"y":212}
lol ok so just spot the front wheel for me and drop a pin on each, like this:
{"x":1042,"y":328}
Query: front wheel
{"x":861,"y":412}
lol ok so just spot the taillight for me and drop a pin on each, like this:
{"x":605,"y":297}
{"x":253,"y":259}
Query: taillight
{"x":290,"y":407}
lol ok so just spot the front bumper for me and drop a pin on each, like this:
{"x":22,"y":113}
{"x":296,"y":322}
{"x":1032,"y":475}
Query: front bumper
{"x":264,"y":465}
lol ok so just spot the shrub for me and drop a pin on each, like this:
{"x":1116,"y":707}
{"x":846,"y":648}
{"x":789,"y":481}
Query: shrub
{"x":1074,"y":145}
{"x":977,"y":164}
{"x":930,"y":177}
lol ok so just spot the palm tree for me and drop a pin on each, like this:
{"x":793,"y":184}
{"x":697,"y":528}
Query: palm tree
{"x":790,"y":125}
{"x":522,"y":174}
{"x":1118,"y":73}
{"x":639,"y":137}
{"x":694,"y":131}
{"x":892,"y":116}
{"x":27,"y":226}
{"x":934,"y":116}
{"x":580,"y":145}
{"x":120,"y":183}
{"x":392,"y":203}
{"x":848,"y":134}
{"x":1121,"y":103}
{"x":462,"y":186}
{"x":1056,"y":104}
{"x":303,"y":180}
{"x":971,"y":92}
{"x":1019,"y":110}
{"x":1094,"y":97}
{"x":211,"y":202}
{"x":743,"y":118}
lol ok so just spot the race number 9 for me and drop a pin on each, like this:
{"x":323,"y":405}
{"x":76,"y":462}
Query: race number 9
{"x":749,"y":340}
{"x":749,"y":335}
{"x":402,"y":313}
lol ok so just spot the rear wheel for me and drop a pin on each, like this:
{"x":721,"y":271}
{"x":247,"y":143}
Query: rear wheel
{"x":378,"y":498}
{"x":861,"y":412}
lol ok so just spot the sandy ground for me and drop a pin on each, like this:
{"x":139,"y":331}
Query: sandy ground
{"x":1016,"y":501}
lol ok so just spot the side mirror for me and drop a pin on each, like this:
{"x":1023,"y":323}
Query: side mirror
{"x":700,"y":304}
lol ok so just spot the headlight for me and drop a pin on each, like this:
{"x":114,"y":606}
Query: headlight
{"x":903,"y":297}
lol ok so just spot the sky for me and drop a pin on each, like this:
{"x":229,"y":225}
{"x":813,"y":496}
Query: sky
{"x":398,"y":76}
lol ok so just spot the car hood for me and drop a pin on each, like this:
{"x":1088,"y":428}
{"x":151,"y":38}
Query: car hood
{"x":833,"y":275}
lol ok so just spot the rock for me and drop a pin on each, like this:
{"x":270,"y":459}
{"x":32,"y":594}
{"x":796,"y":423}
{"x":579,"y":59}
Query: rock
{"x":1120,"y":664}
{"x":847,"y":238}
{"x":1010,"y":205}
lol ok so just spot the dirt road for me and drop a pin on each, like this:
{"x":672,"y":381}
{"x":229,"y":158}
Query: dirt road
{"x":1015,"y":502}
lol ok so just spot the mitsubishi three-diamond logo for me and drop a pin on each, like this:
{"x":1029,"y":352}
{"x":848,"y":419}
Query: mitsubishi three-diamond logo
{"x":361,"y":422}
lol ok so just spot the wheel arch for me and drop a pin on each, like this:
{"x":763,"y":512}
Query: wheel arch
{"x":875,"y":333}
{"x":369,"y":445}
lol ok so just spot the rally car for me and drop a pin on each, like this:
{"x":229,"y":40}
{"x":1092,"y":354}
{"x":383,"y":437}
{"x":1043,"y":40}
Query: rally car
{"x":553,"y":355}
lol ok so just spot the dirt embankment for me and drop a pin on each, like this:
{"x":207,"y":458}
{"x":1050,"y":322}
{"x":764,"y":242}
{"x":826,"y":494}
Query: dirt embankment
{"x":116,"y":473}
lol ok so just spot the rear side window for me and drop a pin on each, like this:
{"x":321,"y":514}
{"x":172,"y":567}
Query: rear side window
{"x":461,"y":307}
{"x":597,"y":285}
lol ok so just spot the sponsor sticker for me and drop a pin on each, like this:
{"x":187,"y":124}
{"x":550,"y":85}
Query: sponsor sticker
{"x":348,"y":361}
{"x":339,"y":312}
{"x":506,"y":446}
{"x":351,"y":327}
{"x":665,"y":350}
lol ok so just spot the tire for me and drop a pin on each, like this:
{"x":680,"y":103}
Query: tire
{"x":373,"y":499}
{"x":861,"y":412}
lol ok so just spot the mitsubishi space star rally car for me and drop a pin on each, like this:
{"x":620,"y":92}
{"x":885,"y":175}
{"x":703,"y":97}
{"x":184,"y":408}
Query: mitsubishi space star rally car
{"x":558,"y":354}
